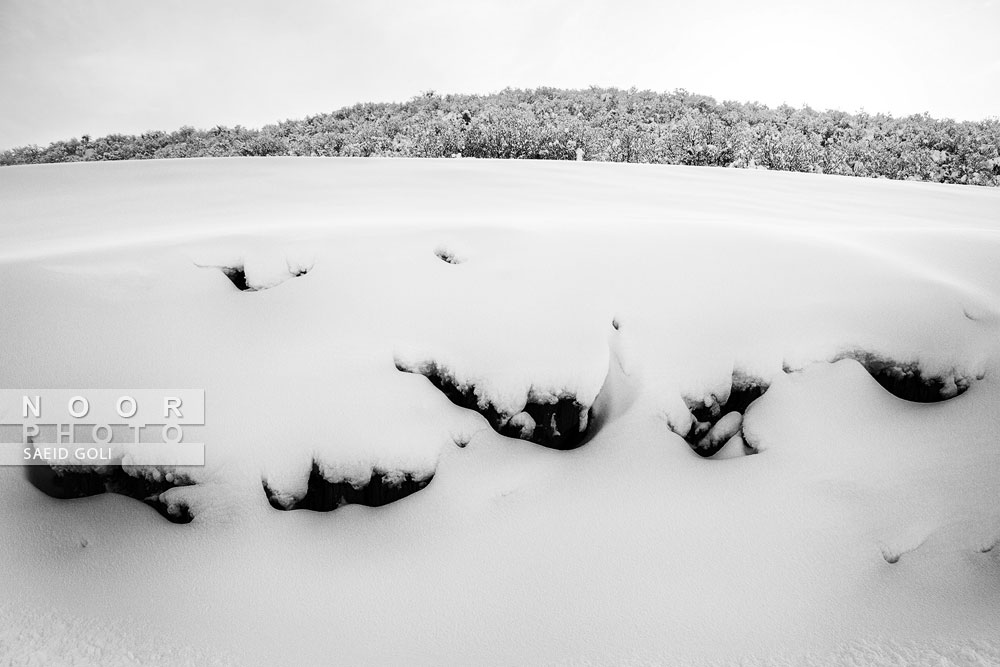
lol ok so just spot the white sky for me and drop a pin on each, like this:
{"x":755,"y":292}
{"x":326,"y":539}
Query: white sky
{"x":73,"y":67}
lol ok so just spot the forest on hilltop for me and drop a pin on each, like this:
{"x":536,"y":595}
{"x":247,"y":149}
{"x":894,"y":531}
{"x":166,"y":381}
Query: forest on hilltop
{"x":604,"y":124}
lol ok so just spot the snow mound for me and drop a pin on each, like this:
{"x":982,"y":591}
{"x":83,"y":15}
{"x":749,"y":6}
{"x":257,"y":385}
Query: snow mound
{"x":323,"y":494}
{"x":552,"y":418}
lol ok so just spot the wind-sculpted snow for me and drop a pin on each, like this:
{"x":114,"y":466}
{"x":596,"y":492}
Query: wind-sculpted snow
{"x":907,"y":380}
{"x":263,"y":269}
{"x":625,"y":313}
{"x":550,"y":418}
{"x":716,"y":421}
{"x":324,"y":495}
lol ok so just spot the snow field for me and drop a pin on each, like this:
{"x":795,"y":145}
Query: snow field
{"x":863,"y":529}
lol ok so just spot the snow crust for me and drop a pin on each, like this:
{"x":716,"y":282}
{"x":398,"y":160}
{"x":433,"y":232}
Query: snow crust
{"x":864,"y":531}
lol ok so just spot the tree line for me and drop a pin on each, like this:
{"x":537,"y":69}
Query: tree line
{"x":604,"y":124}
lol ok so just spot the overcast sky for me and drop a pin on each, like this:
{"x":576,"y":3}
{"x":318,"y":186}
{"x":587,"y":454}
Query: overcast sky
{"x":74,"y":67}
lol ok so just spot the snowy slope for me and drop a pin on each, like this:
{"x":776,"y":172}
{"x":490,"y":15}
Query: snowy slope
{"x":864,"y":530}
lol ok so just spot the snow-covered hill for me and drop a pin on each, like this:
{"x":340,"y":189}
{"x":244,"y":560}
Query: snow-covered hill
{"x":604,"y":413}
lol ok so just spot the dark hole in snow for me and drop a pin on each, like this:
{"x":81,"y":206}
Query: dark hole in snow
{"x":448,"y":256}
{"x":906,"y":380}
{"x":890,"y":557}
{"x":717,"y":423}
{"x":557,"y":424}
{"x":323,"y":495}
{"x":237,"y":276}
{"x":67,"y":484}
